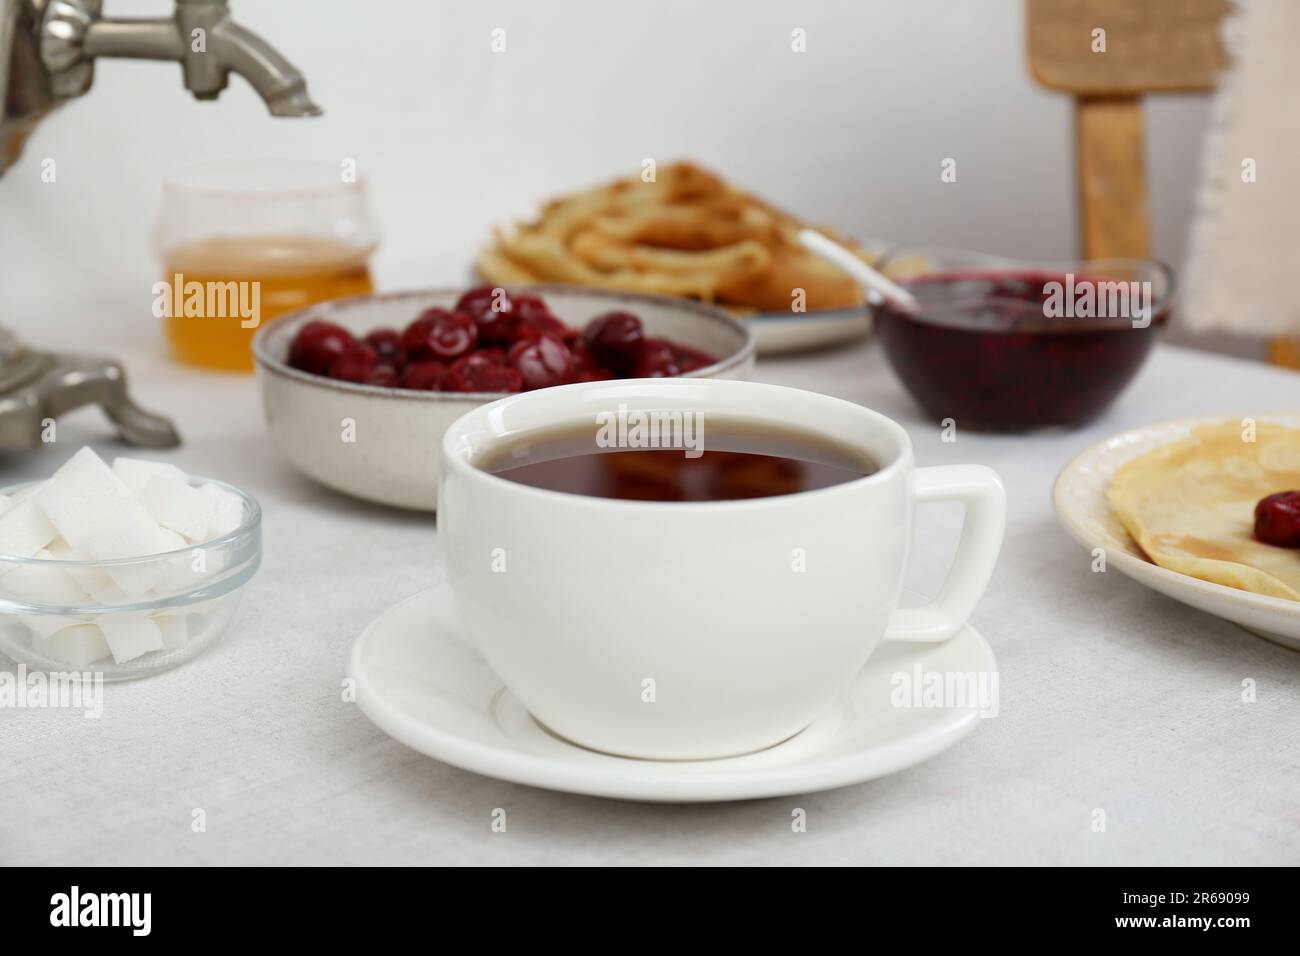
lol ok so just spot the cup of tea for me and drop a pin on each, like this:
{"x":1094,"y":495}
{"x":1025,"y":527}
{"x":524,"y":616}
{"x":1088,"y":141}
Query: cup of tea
{"x":691,"y":569}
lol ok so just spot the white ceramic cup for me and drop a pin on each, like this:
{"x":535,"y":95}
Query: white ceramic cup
{"x":695,"y":630}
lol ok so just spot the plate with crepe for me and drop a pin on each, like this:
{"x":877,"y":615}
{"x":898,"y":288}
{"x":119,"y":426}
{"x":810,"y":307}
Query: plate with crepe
{"x":1173,"y":507}
{"x":682,"y":230}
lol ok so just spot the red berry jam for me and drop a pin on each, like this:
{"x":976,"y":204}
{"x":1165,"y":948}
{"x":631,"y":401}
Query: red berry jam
{"x":492,"y":341}
{"x":1277,"y":519}
{"x":1016,"y":351}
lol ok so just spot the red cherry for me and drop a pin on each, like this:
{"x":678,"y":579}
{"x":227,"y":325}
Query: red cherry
{"x":658,"y":360}
{"x":383,"y":374}
{"x":495,"y":326}
{"x":582,"y":358}
{"x":423,"y":376}
{"x":616,"y":338}
{"x":416,"y":334}
{"x":593,"y":375}
{"x":455,"y":381}
{"x":690,"y":359}
{"x":536,"y":327}
{"x":484,"y":372}
{"x":354,"y":365}
{"x":1277,"y":519}
{"x":492,"y":310}
{"x":529,"y":307}
{"x":387,"y":343}
{"x":317,"y":345}
{"x":453,"y":336}
{"x":512,"y":354}
{"x":484,"y":298}
{"x":517,"y":348}
{"x":448,"y":336}
{"x":542,"y":363}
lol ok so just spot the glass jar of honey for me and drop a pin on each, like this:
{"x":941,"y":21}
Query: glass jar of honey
{"x":245,"y":242}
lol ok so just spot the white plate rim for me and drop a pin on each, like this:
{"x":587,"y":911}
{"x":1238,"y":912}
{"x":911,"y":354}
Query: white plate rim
{"x":616,"y":780}
{"x":786,"y":333}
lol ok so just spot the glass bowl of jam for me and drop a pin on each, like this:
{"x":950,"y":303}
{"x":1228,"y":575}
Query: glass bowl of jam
{"x":1003,"y":346}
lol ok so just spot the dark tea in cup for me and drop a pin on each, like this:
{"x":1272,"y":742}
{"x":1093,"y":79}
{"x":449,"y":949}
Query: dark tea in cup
{"x":687,"y":460}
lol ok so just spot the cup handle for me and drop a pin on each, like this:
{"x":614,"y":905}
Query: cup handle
{"x":980,"y":489}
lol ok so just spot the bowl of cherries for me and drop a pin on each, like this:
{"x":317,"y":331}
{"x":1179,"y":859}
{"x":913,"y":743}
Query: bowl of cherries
{"x":359,"y":391}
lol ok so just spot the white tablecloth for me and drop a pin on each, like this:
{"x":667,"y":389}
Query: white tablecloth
{"x":1112,"y":697}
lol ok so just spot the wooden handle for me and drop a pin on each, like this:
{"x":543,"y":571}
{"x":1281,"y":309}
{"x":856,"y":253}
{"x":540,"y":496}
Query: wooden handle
{"x":1112,"y":177}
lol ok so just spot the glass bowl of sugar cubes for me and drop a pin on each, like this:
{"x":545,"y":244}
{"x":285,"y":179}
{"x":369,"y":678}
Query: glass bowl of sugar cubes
{"x":121,"y":571}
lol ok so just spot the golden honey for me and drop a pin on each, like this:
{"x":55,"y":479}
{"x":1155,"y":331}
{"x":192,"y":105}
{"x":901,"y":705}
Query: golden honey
{"x":272,"y":275}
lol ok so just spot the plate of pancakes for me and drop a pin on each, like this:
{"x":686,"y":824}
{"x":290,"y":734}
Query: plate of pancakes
{"x":681,"y":230}
{"x":1173,"y":506}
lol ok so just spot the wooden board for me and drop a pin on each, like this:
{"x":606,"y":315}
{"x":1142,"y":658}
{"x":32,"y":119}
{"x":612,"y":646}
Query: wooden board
{"x":1151,"y":45}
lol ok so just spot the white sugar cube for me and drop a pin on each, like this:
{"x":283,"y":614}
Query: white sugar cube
{"x":131,"y":582}
{"x":229,"y":513}
{"x":25,"y":493}
{"x":195,"y":611}
{"x":88,"y":577}
{"x":81,"y":497}
{"x":173,"y":630}
{"x":131,"y":532}
{"x":24,"y":530}
{"x":189,"y":569}
{"x":130,"y":635}
{"x":111,"y":595}
{"x":175,"y":505}
{"x":136,"y":472}
{"x":42,"y":584}
{"x":43,"y":625}
{"x":78,"y":645}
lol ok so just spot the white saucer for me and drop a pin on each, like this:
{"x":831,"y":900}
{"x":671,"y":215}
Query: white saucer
{"x":1082,"y":506}
{"x":421,"y":680}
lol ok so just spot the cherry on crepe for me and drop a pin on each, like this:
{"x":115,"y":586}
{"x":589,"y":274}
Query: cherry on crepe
{"x":1277,"y":519}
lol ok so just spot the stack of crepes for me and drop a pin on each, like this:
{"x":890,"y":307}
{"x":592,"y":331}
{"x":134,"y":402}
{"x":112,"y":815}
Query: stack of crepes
{"x":1191,"y":504}
{"x":686,"y":233}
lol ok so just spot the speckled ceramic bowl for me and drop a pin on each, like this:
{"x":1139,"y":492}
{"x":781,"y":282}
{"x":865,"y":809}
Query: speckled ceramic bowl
{"x":381,"y":444}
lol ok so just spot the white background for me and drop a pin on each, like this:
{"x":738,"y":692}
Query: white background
{"x":453,"y":138}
